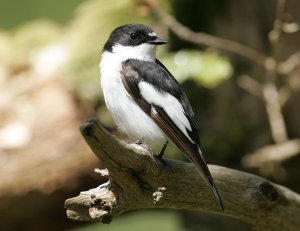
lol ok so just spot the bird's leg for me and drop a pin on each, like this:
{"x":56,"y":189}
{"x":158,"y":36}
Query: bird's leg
{"x":142,"y":143}
{"x":162,"y":151}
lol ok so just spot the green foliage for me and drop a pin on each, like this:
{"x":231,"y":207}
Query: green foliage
{"x":15,"y":12}
{"x":207,"y":68}
{"x":19,"y":45}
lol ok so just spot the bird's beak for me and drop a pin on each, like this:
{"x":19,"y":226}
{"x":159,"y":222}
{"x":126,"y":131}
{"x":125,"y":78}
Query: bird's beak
{"x":157,"y":41}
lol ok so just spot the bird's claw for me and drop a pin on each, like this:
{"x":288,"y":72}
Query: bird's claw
{"x":142,"y":143}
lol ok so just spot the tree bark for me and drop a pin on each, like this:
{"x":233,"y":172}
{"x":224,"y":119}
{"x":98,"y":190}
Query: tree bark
{"x":139,"y":180}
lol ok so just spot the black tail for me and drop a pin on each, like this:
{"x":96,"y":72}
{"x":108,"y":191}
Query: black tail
{"x":205,"y":173}
{"x":215,"y":191}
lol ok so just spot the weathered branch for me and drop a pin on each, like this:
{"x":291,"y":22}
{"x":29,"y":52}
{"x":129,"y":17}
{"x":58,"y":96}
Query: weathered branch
{"x":290,"y":64}
{"x":274,"y":112}
{"x":275,"y":153}
{"x":138,"y":181}
{"x":251,"y":85}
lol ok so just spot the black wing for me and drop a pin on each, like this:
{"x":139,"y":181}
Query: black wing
{"x":155,"y":74}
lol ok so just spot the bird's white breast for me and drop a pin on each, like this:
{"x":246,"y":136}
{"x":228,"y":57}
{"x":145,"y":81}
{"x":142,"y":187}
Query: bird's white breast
{"x":126,"y":113}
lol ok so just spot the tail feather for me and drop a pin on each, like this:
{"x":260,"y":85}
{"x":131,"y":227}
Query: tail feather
{"x":215,"y":191}
{"x":205,"y":173}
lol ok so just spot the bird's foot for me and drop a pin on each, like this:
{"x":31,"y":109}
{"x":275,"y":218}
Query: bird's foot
{"x":141,"y":142}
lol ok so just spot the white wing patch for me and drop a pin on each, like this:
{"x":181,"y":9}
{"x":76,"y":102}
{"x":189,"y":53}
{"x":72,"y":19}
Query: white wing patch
{"x":169,"y":103}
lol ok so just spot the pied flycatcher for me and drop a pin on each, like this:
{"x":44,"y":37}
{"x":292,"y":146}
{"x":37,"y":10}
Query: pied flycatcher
{"x":144,"y":98}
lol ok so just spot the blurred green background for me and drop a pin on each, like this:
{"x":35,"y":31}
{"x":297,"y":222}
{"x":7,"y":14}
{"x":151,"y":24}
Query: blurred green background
{"x":13,"y":12}
{"x":49,"y":85}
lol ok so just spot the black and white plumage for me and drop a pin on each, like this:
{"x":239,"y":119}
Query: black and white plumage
{"x":144,"y":98}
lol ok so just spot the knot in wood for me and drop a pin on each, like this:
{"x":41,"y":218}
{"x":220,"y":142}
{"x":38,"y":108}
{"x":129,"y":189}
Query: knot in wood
{"x":268,"y":191}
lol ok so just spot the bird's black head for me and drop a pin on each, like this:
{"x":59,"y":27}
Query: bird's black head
{"x":132,"y":35}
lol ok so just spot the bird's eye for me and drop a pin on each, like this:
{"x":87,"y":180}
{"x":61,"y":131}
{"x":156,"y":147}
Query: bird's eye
{"x":133,"y":36}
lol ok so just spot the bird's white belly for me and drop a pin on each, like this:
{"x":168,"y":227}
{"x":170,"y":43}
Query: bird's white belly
{"x":125,"y":112}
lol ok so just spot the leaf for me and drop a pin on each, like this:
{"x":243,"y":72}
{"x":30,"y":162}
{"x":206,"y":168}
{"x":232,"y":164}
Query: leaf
{"x":207,"y":68}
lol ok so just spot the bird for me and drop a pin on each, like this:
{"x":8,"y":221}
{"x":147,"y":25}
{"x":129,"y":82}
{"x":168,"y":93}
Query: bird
{"x":145,"y":100}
